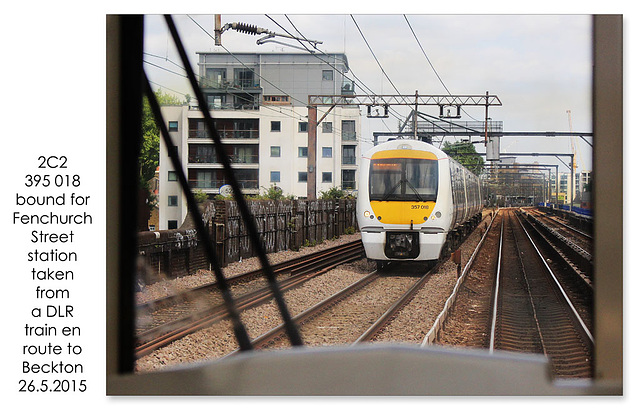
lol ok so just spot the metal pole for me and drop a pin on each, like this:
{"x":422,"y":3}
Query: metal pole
{"x":312,"y":129}
{"x":218,"y":29}
{"x":486,"y":119}
{"x":571,"y":187}
{"x":415,"y":118}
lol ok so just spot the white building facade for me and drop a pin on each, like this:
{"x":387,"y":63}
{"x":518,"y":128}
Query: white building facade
{"x":259,"y":105}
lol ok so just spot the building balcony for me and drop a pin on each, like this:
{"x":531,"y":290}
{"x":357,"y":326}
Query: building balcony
{"x":237,"y":153}
{"x":216,"y":184}
{"x":348,"y":160}
{"x":231,"y":86}
{"x":227,"y":134}
{"x":235,"y":159}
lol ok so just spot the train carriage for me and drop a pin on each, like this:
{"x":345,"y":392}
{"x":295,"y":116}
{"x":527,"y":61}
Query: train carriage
{"x":414,"y":201}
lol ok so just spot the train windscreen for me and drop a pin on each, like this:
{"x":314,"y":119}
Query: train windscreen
{"x":403,"y":179}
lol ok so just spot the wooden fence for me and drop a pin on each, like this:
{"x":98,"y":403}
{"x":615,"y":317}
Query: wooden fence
{"x":282,"y":225}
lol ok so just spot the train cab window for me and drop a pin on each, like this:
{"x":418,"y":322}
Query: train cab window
{"x":403,"y":179}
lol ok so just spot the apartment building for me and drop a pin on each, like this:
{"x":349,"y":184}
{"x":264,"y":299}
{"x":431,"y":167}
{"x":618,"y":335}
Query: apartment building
{"x":581,"y":179}
{"x":259,"y":105}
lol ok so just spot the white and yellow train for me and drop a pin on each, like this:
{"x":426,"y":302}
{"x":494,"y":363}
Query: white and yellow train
{"x":414,"y":202}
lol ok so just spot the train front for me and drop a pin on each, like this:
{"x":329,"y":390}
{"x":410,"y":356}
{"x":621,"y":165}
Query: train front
{"x":403,"y":212}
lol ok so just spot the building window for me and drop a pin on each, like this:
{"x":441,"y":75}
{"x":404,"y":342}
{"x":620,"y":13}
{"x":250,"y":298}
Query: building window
{"x":302,"y":127}
{"x":216,"y":77}
{"x":172,"y":176}
{"x":275,"y":177}
{"x":327,"y":75}
{"x":173,"y":126}
{"x":246,"y":101}
{"x":276,"y":99}
{"x":303,"y":151}
{"x":172,"y":224}
{"x":302,"y":176}
{"x":275,"y":126}
{"x":348,"y":179}
{"x":173,"y":201}
{"x":216,"y":101}
{"x":244,"y":77}
{"x":327,"y":177}
{"x":245,"y":154}
{"x":327,"y":152}
{"x":349,"y":130}
{"x":275,"y":151}
{"x":327,"y":127}
{"x":348,"y":155}
{"x":202,"y":153}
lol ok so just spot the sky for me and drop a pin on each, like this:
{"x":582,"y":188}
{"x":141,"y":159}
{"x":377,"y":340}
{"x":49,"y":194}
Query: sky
{"x":539,"y":66}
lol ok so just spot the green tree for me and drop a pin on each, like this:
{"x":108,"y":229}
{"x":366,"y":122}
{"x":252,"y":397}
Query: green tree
{"x":150,"y":146}
{"x":475,"y":163}
{"x":148,"y":159}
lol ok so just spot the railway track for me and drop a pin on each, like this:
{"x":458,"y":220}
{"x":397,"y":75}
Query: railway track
{"x":513,"y":301}
{"x":519,"y":312}
{"x":571,"y":244}
{"x":350,"y":315}
{"x":357,"y":313}
{"x":168,"y":319}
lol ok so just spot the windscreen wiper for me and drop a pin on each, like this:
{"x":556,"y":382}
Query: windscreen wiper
{"x":393,"y":190}
{"x":415,"y":191}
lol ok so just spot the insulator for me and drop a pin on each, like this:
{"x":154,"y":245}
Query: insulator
{"x":245,"y":28}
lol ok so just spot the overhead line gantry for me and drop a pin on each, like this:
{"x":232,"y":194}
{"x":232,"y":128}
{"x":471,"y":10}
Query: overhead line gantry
{"x":377,"y":107}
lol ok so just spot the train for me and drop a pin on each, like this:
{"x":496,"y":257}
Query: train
{"x":415,"y":203}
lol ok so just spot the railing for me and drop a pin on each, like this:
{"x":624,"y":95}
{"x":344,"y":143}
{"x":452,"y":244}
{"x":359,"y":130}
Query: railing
{"x":230,"y":134}
{"x":235,"y":159}
{"x":348,"y":160}
{"x":348,"y":184}
{"x":227,"y":106}
{"x":216,"y":184}
{"x":202,"y":159}
{"x":348,"y":135}
{"x":249,"y":84}
{"x":458,"y":126}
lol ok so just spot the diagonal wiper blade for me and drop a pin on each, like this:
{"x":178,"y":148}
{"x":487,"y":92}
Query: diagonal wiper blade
{"x":393,"y":190}
{"x":415,"y":191}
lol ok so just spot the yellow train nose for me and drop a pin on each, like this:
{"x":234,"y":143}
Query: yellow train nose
{"x":402,"y":212}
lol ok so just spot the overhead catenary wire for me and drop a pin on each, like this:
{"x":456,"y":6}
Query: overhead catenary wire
{"x":244,"y":65}
{"x":290,"y":326}
{"x":239,"y":330}
{"x":429,"y":61}
{"x":257,"y":74}
{"x":374,"y":55}
{"x":297,"y":117}
{"x":325,"y":61}
{"x":277,"y":109}
{"x":360,"y":82}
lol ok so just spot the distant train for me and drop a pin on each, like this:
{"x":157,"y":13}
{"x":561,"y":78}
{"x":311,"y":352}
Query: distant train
{"x":414,"y":202}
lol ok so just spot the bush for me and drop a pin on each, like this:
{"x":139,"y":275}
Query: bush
{"x":200,"y":196}
{"x":334,"y":193}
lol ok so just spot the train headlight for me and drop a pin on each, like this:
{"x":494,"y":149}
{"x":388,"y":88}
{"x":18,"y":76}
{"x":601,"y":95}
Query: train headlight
{"x":367,"y":214}
{"x":438,"y":214}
